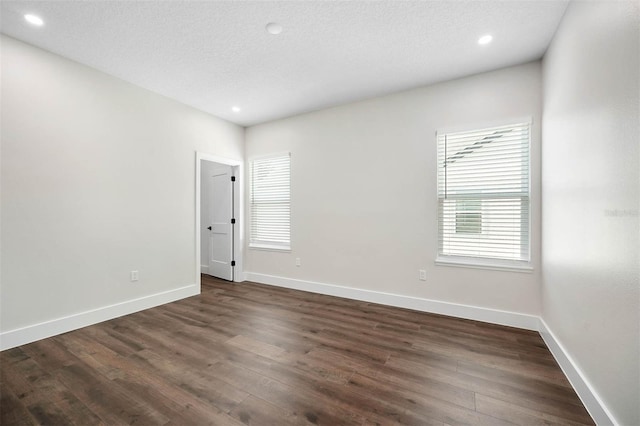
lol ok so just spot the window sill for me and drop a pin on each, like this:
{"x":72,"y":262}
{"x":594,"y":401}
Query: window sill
{"x":269,"y":247}
{"x":495,"y":265}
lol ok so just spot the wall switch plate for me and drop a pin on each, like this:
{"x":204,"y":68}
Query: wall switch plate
{"x":134,"y":276}
{"x":422,"y":274}
{"x":298,"y":263}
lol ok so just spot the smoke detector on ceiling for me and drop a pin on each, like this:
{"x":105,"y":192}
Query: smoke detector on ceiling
{"x":273,"y":28}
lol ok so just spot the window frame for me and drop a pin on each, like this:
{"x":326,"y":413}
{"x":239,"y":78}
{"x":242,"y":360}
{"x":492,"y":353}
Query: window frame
{"x":525,"y":266}
{"x":265,"y":245}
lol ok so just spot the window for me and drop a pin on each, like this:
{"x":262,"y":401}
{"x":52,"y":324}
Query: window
{"x":468,"y":217}
{"x":270,"y":201}
{"x":483,"y":196}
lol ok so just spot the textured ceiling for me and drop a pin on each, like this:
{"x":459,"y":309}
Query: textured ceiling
{"x":213,"y":55}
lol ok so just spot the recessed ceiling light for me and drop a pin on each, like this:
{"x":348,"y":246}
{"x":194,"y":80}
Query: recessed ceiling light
{"x":485,"y":39}
{"x":273,"y":28}
{"x":33,"y":19}
{"x":236,"y":109}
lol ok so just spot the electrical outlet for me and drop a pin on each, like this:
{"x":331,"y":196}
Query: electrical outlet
{"x":298,"y":263}
{"x":422,"y":274}
{"x":134,"y":276}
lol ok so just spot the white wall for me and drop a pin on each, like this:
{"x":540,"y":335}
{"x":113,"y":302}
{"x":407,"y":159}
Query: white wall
{"x":590,"y":198}
{"x":364,"y":190}
{"x":98,"y":179}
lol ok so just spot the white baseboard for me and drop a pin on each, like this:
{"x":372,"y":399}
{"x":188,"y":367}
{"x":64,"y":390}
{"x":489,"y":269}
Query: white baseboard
{"x":494,"y":316}
{"x":204,"y":269}
{"x":21,"y":336}
{"x":589,"y":397}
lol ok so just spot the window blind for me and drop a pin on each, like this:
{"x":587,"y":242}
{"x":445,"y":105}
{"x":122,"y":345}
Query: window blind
{"x":483,"y":193}
{"x":270,"y":199}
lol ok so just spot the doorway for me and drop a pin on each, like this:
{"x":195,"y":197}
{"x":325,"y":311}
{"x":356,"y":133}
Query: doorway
{"x":218,"y":217}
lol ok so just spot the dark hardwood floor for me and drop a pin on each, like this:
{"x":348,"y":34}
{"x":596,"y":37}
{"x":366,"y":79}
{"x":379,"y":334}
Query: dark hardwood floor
{"x":260,"y":355}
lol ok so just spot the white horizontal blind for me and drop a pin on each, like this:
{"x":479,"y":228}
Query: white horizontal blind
{"x":483,"y":193}
{"x":271,"y":202}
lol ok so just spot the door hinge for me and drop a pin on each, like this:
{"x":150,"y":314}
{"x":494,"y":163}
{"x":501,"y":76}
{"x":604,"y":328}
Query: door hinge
{"x":233,"y":221}
{"x":233,"y":178}
{"x":233,"y":263}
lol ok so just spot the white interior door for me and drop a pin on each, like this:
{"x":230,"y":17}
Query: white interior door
{"x":220,"y":226}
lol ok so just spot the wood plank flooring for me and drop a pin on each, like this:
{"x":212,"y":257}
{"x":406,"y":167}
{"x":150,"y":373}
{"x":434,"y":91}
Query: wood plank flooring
{"x":259,"y":355}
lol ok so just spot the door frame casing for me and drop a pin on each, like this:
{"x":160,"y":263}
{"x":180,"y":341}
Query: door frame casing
{"x":238,"y":232}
